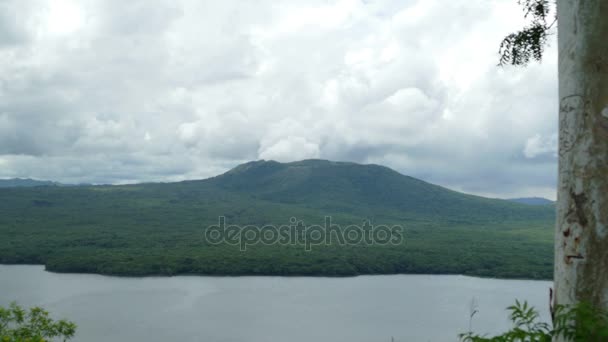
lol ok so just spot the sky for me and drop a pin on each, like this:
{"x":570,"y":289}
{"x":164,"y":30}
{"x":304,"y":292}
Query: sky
{"x":164,"y":90}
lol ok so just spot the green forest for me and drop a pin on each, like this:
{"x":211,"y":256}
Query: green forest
{"x":158,"y":228}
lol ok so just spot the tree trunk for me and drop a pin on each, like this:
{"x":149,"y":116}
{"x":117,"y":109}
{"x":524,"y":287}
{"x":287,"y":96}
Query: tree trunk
{"x":581,"y":237}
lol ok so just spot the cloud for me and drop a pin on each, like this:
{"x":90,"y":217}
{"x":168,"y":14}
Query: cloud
{"x":13,"y":16}
{"x":538,"y":145}
{"x":290,"y":149}
{"x":114,"y":92}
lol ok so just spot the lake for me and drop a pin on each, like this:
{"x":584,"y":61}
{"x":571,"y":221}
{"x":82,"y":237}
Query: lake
{"x":262,"y":309}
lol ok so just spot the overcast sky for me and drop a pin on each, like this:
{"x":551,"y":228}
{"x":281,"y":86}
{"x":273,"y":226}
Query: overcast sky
{"x":162,"y":90}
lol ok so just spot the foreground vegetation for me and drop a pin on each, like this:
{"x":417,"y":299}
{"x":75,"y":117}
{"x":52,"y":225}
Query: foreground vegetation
{"x":158,"y":229}
{"x":579,"y":323}
{"x":32,"y":325}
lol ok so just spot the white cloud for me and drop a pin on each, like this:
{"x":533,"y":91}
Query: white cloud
{"x":538,"y":145}
{"x":64,"y":17}
{"x":290,"y":149}
{"x":97,"y":91}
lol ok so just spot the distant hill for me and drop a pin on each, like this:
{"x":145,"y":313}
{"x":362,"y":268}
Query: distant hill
{"x":532,"y":201}
{"x":158,"y":228}
{"x":24,"y":182}
{"x":28,"y":183}
{"x":372,"y":190}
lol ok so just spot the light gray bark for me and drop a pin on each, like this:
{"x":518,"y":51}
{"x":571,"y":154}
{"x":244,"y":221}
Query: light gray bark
{"x":581,"y":240}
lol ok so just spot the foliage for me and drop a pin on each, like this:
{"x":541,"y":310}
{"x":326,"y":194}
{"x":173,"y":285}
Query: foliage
{"x":591,"y":325}
{"x":520,"y":47}
{"x":157,"y":229}
{"x":33,"y":325}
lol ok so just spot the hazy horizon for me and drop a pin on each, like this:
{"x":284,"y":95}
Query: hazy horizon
{"x":205,"y":178}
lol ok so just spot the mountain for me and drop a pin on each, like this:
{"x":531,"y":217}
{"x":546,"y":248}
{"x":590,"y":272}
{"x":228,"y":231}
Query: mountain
{"x":24,"y":182}
{"x":159,"y":228}
{"x":28,"y":183}
{"x":370,"y":189}
{"x":532,"y":201}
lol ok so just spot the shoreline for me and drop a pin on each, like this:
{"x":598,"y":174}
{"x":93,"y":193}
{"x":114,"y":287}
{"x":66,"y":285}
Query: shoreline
{"x":236,"y":275}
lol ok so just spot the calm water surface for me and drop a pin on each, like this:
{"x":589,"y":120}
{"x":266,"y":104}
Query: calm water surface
{"x":262,"y":309}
